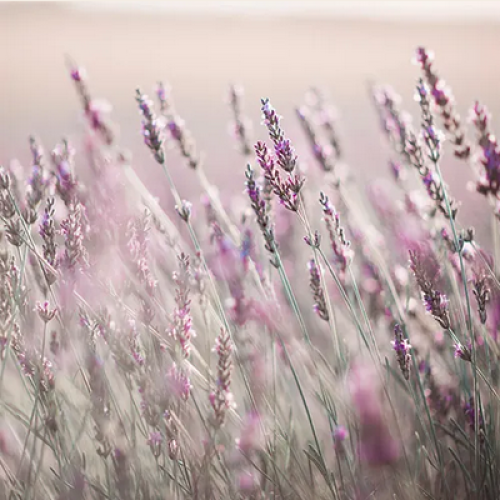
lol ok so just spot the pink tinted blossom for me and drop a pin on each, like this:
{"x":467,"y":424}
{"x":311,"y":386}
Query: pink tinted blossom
{"x":377,"y":446}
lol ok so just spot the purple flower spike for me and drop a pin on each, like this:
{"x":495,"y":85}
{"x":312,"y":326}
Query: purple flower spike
{"x":445,"y":103}
{"x":462,"y":352}
{"x":285,"y":153}
{"x":320,"y":307}
{"x":151,"y":127}
{"x":402,"y":348}
{"x":340,"y":434}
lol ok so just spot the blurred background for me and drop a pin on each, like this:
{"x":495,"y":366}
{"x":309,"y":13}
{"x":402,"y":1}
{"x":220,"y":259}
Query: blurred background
{"x":273,"y":48}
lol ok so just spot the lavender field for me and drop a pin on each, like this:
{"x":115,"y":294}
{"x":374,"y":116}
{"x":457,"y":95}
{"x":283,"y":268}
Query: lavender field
{"x":248,"y":256}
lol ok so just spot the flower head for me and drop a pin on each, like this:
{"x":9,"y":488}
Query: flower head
{"x":402,"y":348}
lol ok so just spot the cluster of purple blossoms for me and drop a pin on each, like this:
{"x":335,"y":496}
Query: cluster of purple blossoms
{"x":435,"y":302}
{"x":285,"y":153}
{"x":377,"y":446}
{"x":325,"y":154}
{"x":180,"y":134}
{"x":133,"y":342}
{"x":34,"y":365}
{"x":221,"y":399}
{"x":248,"y":445}
{"x":63,"y":157}
{"x":440,"y":398}
{"x":319,"y":307}
{"x":261,"y":209}
{"x":415,"y":154}
{"x":154,"y":441}
{"x":74,"y":230}
{"x":94,"y":110}
{"x":44,"y":311}
{"x":402,"y":348}
{"x":241,"y":125}
{"x":48,"y":234}
{"x":38,"y":181}
{"x":326,"y":116}
{"x":287,"y":191}
{"x":163,"y":95}
{"x":445,"y":103}
{"x":341,"y":246}
{"x":481,"y":283}
{"x":6,"y":305}
{"x":395,"y":123}
{"x":470,"y":412}
{"x":182,"y":329}
{"x":489,"y":154}
{"x":463,"y":352}
{"x":152,"y":127}
{"x":184,"y":210}
{"x":138,"y":229}
{"x":340,"y":434}
{"x":179,"y":382}
{"x":176,"y":126}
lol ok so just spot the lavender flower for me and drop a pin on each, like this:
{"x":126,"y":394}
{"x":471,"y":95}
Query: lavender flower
{"x":326,"y":116}
{"x":313,"y":241}
{"x":482,"y":292}
{"x":163,"y":94}
{"x":285,"y":154}
{"x":341,"y":246}
{"x":241,"y":125}
{"x":397,"y":171}
{"x":15,"y":232}
{"x":395,"y":123}
{"x":74,"y":230}
{"x":439,"y":398}
{"x":287,"y":191}
{"x":435,"y":302}
{"x":469,"y":410}
{"x":184,"y":139}
{"x":44,"y":312}
{"x":94,"y":110}
{"x":33,"y":364}
{"x":444,"y":101}
{"x":415,"y":155}
{"x":184,"y":210}
{"x":7,"y":204}
{"x":182,"y":329}
{"x":179,"y":382}
{"x":462,"y":352}
{"x":260,"y":209}
{"x":48,"y":233}
{"x":402,"y":348}
{"x":489,"y":154}
{"x":121,"y":463}
{"x":320,"y":307}
{"x":38,"y":181}
{"x":340,"y":434}
{"x":137,"y":244}
{"x":376,"y":446}
{"x":221,"y":399}
{"x":155,"y":441}
{"x":133,"y":341}
{"x":324,"y":153}
{"x":63,"y":157}
{"x":152,"y":127}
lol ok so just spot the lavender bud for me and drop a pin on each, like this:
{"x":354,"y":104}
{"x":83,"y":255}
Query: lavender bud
{"x":402,"y":348}
{"x":319,"y":307}
{"x":184,"y":210}
{"x":44,"y":312}
{"x":462,"y":352}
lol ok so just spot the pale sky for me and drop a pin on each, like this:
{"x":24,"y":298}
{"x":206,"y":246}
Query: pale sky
{"x":423,"y":10}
